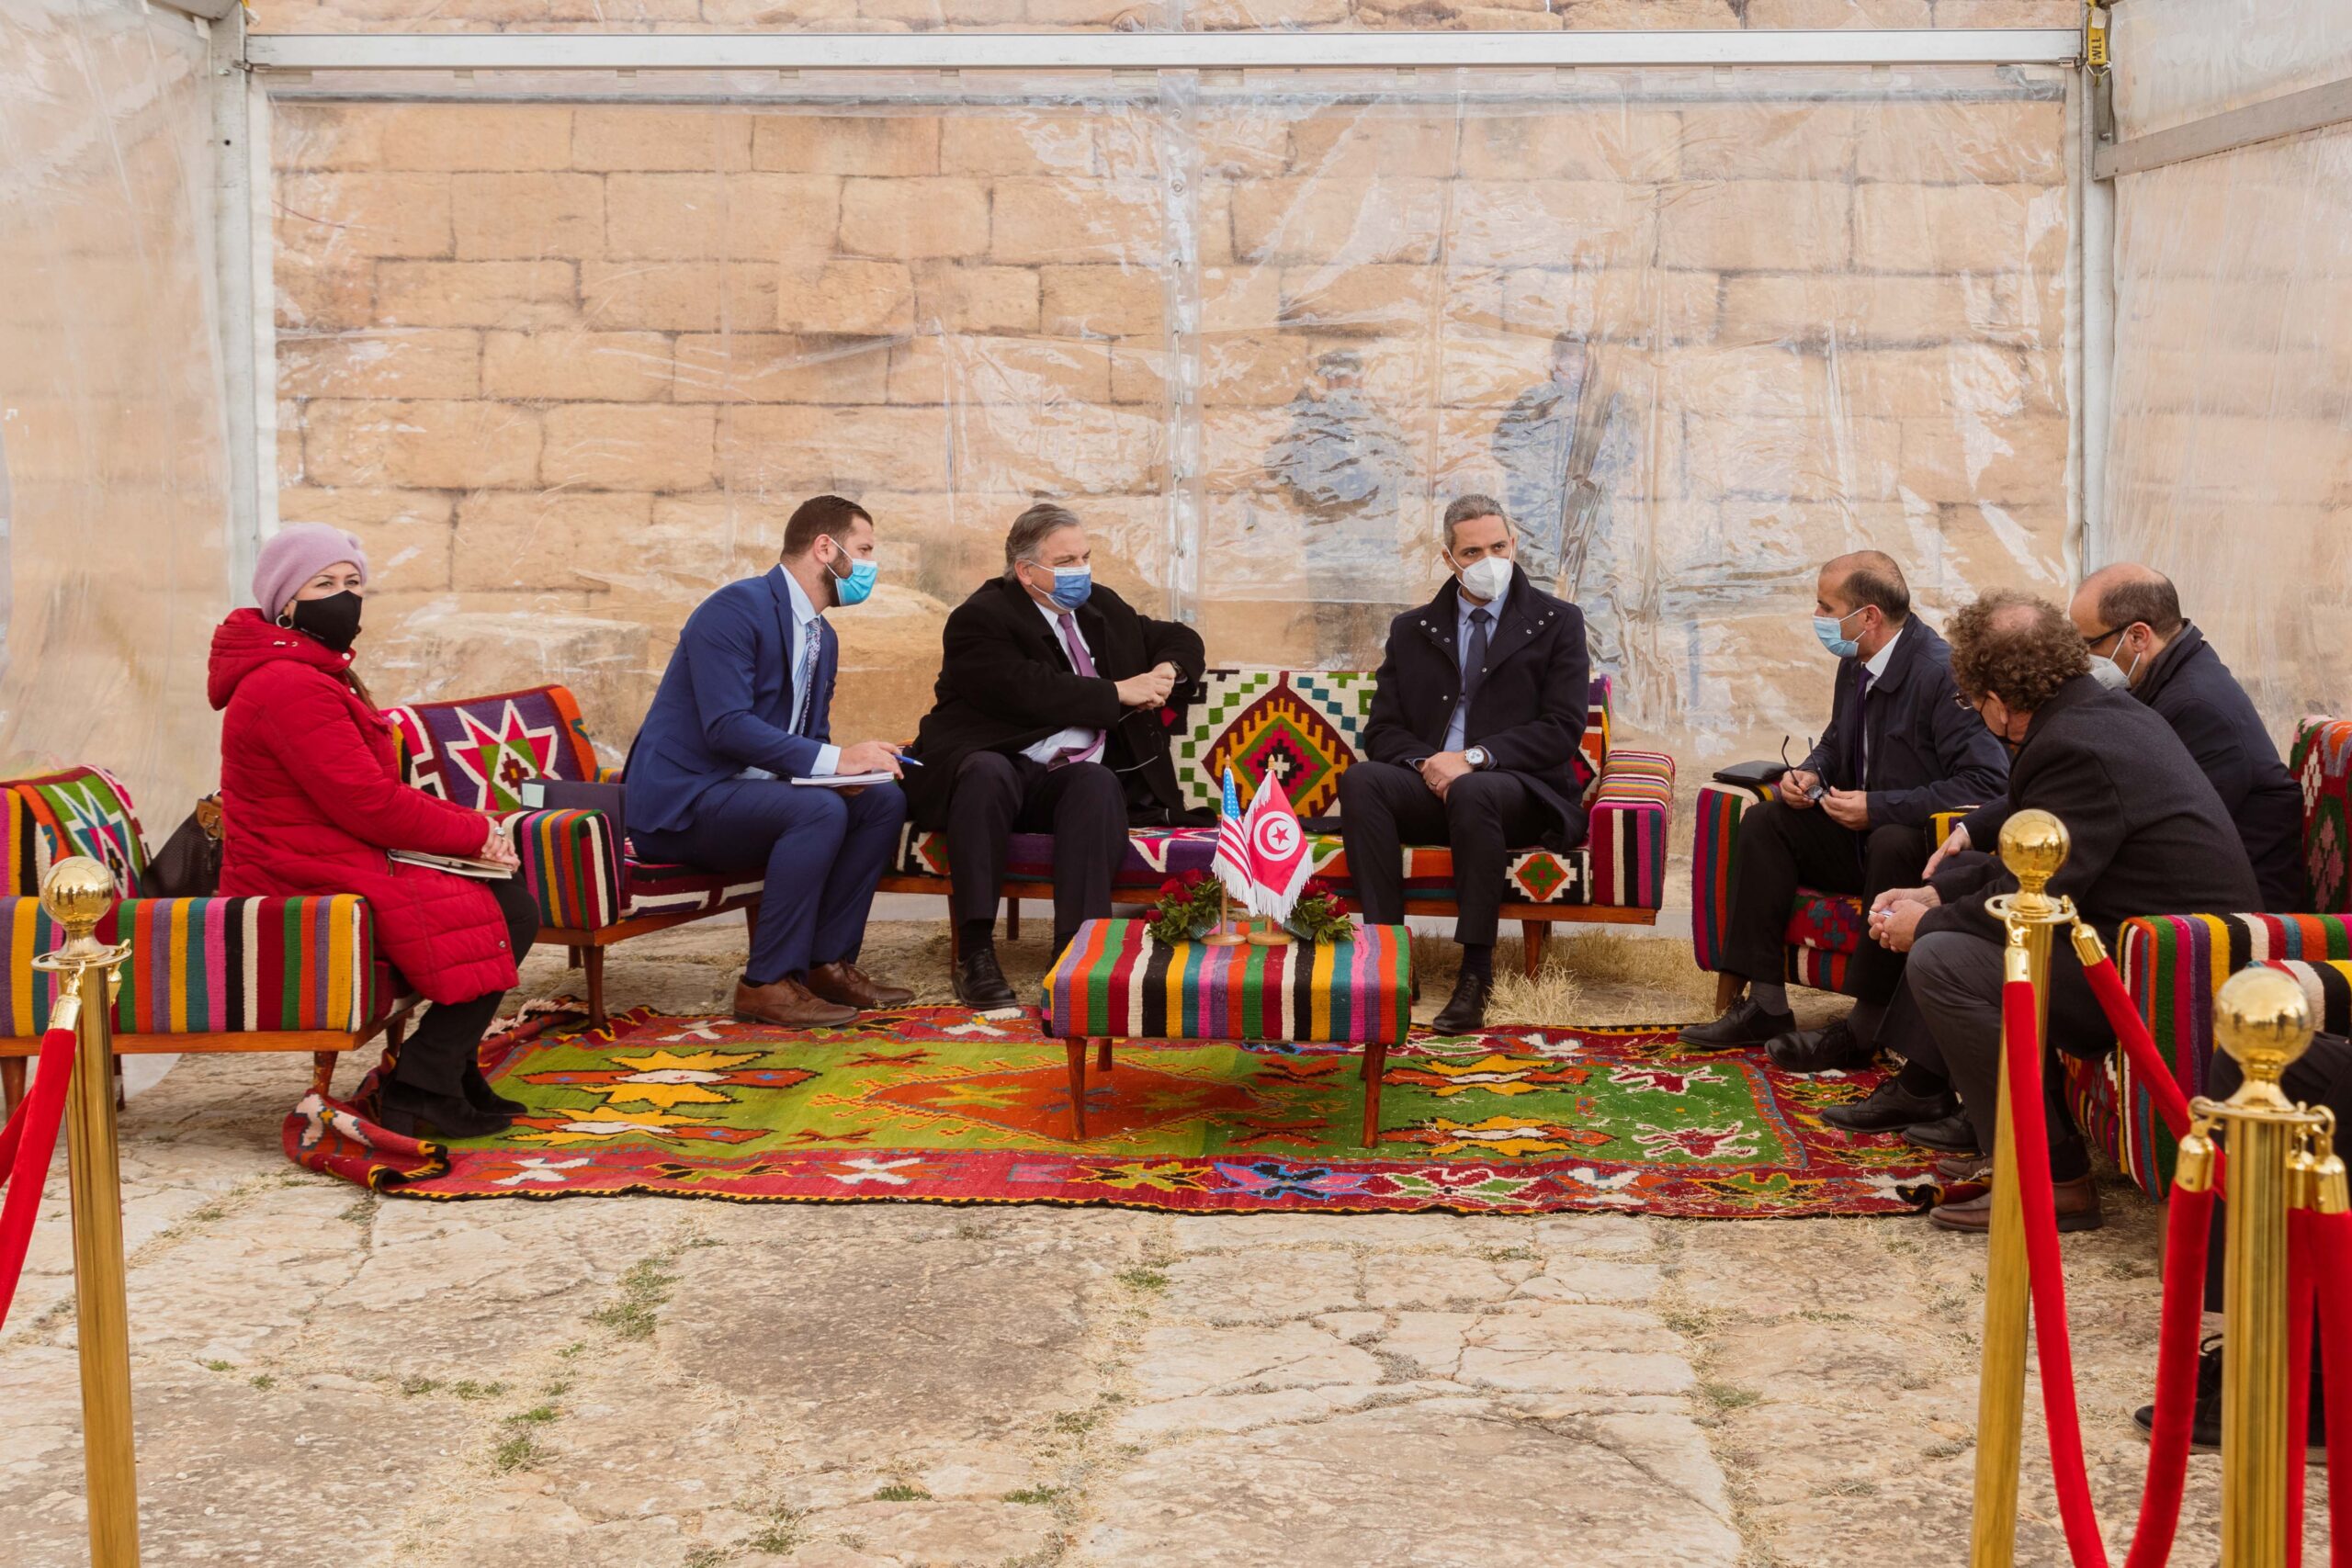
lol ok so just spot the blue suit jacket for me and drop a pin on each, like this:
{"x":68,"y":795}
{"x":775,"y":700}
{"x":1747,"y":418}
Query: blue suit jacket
{"x":724,"y":704}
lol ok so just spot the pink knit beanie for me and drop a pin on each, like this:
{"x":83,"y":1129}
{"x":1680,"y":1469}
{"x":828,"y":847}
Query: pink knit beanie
{"x":294,"y":554}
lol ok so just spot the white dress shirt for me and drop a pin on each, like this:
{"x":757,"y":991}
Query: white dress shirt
{"x":803,"y":675}
{"x":1076,"y":738}
{"x":1876,"y":664}
{"x":1457,"y":728}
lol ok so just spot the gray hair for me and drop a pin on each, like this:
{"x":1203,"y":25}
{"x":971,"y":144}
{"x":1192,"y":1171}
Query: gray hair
{"x":1031,"y":530}
{"x":1463,"y":509}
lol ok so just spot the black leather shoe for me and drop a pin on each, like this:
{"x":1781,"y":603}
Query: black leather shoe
{"x":1946,"y":1134}
{"x":1890,"y":1108}
{"x":979,"y":984}
{"x":481,"y":1097}
{"x":2205,"y":1427}
{"x":1466,"y":1011}
{"x":1833,"y":1049}
{"x":414,"y":1113}
{"x":1745,"y":1023}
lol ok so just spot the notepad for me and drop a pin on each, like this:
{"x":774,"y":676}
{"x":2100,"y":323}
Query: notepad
{"x":846,"y":781}
{"x":456,"y":865}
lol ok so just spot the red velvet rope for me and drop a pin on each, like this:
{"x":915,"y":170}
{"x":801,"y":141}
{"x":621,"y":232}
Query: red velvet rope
{"x":26,"y":1145}
{"x":2189,"y":1221}
{"x":2331,"y":1263}
{"x":2138,"y":1044}
{"x":2046,"y":1275}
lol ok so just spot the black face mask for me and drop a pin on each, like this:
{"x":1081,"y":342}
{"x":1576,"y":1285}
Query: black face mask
{"x":333,"y":620}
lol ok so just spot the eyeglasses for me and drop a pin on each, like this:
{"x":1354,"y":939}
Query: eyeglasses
{"x":1784,"y":752}
{"x":2093,"y":642}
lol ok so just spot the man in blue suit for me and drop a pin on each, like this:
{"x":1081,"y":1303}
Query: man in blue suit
{"x":745,"y":709}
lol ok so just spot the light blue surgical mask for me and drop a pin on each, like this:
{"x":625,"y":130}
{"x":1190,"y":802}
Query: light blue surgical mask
{"x":1829,"y":629}
{"x":1072,"y":584}
{"x":858,"y":586}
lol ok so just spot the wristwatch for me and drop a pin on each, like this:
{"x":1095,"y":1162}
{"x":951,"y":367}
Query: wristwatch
{"x":1476,"y":757}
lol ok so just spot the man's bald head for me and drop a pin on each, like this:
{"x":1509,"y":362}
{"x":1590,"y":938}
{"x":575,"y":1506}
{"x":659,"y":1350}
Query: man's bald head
{"x":1866,"y":578}
{"x":2127,"y":613}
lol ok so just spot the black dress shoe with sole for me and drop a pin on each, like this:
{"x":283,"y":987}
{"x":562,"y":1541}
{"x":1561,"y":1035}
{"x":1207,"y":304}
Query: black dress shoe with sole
{"x":979,"y":984}
{"x":1890,"y":1108}
{"x":1946,"y":1134}
{"x":1466,"y":1011}
{"x":1833,"y":1049}
{"x":1743,"y":1024}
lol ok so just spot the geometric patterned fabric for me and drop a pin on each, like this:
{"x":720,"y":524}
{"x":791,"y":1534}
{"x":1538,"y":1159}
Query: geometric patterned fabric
{"x":1116,"y":978}
{"x":937,"y":1105}
{"x":82,"y":811}
{"x":479,"y":751}
{"x":1306,"y":727}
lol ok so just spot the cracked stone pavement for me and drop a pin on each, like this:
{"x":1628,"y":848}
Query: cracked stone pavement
{"x":329,"y":1377}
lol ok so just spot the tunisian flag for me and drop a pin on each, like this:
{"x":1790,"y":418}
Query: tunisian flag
{"x":1276,"y":846}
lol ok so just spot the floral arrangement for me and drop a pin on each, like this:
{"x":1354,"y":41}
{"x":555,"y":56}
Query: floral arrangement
{"x":1188,"y":908}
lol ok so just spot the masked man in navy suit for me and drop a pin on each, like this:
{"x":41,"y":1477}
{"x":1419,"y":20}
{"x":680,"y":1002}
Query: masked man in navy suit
{"x":745,"y":709}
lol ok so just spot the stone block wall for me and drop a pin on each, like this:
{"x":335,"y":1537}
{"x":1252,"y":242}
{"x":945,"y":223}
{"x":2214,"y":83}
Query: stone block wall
{"x":568,"y":366}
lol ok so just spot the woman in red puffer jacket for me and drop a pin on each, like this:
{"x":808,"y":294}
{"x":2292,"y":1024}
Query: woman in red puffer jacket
{"x":313,"y":799}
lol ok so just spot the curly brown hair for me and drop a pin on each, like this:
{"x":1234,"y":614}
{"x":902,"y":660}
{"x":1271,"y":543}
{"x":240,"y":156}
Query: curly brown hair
{"x":2017,"y":648}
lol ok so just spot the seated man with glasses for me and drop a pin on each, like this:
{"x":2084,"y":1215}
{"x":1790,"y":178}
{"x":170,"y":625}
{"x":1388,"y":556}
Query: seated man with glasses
{"x":2138,"y":640}
{"x":1853,"y":816}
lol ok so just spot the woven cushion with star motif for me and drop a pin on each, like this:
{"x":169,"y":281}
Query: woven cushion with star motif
{"x":82,"y":811}
{"x":479,"y":751}
{"x":1826,"y":923}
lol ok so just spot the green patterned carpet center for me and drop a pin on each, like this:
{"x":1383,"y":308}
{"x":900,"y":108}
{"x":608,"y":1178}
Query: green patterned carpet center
{"x":937,"y":1104}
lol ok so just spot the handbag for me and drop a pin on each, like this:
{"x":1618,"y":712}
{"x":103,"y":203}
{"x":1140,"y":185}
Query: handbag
{"x":189,"y":865}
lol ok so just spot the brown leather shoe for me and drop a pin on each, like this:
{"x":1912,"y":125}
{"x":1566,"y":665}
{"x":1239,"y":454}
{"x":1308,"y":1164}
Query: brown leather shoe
{"x":788,"y":1004}
{"x":853,"y":987}
{"x":1964,"y":1168}
{"x":2077,"y":1205}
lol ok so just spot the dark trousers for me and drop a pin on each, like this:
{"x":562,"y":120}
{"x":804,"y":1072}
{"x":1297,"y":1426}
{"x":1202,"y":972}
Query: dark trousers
{"x":1384,"y":806}
{"x":1083,"y":804}
{"x":1948,"y":1021}
{"x":432,"y":1058}
{"x":821,"y":852}
{"x":1782,"y":848}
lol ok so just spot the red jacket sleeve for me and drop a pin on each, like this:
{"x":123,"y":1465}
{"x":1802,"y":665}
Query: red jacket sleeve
{"x":309,"y":729}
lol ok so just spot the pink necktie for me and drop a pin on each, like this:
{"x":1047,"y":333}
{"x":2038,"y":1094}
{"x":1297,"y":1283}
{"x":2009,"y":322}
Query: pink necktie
{"x":1083,"y":662}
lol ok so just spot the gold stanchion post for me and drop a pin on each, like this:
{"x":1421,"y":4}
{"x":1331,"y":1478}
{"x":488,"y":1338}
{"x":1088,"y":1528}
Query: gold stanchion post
{"x":77,"y":895}
{"x":2033,"y":847}
{"x":2261,"y":1019}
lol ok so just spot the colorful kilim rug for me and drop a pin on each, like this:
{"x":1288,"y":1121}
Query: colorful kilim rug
{"x":935,"y":1104}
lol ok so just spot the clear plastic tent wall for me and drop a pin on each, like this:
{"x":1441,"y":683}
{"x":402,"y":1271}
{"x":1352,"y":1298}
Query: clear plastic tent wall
{"x":113,"y":487}
{"x":2230,"y":465}
{"x":569,"y":364}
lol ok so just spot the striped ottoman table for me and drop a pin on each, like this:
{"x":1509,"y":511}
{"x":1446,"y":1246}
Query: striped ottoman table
{"x":1115,"y":981}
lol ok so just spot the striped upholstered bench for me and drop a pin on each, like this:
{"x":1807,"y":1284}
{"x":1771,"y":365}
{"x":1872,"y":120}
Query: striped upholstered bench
{"x":1306,"y":727}
{"x":2173,"y":965}
{"x":205,"y":975}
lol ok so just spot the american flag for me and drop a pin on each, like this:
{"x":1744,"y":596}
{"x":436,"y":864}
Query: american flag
{"x":1232,"y":864}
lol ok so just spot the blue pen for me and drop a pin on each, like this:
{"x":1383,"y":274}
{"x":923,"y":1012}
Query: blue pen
{"x":908,"y":760}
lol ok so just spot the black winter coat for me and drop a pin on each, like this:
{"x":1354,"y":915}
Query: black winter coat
{"x":1529,"y":712}
{"x":1926,"y":752}
{"x":1006,"y":683}
{"x":2191,"y":690}
{"x":2148,"y":837}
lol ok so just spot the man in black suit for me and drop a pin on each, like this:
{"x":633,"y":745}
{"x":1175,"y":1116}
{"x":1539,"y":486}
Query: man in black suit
{"x":1478,"y":719}
{"x":2149,"y":837}
{"x":2130,"y":620}
{"x":1854,"y":816}
{"x":1046,"y":720}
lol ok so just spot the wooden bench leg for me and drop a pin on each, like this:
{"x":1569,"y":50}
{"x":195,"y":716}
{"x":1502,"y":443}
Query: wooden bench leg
{"x":594,"y":967}
{"x":1077,"y":1046}
{"x":121,"y":1096}
{"x":572,"y":959}
{"x":1102,"y":1057}
{"x":1534,"y":935}
{"x":322,"y":1073}
{"x":1012,"y":920}
{"x":12,"y":1084}
{"x":1727,"y":989}
{"x":1375,"y":1065}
